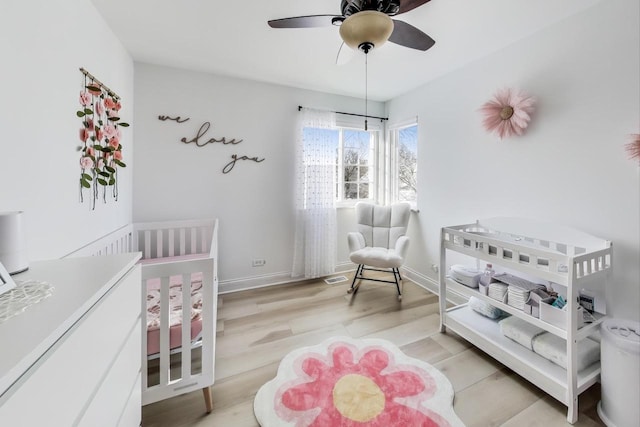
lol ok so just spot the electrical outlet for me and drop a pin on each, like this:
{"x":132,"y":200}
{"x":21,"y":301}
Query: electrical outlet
{"x":435,"y":267}
{"x":258,"y":262}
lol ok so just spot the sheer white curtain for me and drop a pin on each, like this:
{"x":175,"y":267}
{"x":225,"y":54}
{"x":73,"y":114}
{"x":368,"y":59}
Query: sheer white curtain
{"x":315,"y":249}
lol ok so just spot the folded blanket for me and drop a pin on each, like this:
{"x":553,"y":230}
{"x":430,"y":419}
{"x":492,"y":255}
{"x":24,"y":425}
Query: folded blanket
{"x":554,"y":349}
{"x":484,"y":308}
{"x":520,"y":331}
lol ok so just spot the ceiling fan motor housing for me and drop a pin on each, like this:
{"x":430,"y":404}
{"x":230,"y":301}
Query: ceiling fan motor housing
{"x":351,"y":7}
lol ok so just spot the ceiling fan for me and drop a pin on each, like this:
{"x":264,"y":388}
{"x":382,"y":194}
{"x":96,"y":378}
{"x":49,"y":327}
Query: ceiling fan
{"x":366,"y":24}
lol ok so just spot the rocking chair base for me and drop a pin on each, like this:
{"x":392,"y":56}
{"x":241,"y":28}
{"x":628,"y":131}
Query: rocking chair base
{"x":359,"y":276}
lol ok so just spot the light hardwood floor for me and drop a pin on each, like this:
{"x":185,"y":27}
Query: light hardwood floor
{"x":257,"y":328}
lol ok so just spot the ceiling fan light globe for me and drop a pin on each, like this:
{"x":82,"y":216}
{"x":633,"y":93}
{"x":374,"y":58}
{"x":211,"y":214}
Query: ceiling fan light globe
{"x":366,"y":27}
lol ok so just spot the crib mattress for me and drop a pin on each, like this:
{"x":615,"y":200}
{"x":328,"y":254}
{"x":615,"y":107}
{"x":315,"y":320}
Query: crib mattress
{"x":175,"y":311}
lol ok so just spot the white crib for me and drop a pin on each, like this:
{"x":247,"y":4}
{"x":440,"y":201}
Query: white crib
{"x":177,"y":258}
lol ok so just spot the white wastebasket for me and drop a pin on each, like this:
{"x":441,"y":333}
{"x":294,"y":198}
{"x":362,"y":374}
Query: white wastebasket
{"x":620,"y":373}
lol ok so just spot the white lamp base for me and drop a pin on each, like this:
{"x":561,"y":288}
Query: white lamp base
{"x":13,"y":254}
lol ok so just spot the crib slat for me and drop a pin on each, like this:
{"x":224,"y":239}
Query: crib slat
{"x":186,"y":326}
{"x":209,"y":310}
{"x":171,"y":249}
{"x":203,"y":239}
{"x":165,"y":362}
{"x":144,"y":321}
{"x":159,"y":244}
{"x":147,"y":244}
{"x":193,"y":240}
{"x":182,"y":241}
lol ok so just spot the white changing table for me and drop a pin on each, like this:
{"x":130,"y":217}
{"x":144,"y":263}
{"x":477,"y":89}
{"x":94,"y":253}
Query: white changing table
{"x":569,"y":258}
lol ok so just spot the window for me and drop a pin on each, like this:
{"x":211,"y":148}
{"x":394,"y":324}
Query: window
{"x":363,"y":168}
{"x":354,"y":160}
{"x":355,"y":164}
{"x":404,"y":163}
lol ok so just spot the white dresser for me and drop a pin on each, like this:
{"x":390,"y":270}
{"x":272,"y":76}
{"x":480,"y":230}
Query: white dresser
{"x":74,"y":358}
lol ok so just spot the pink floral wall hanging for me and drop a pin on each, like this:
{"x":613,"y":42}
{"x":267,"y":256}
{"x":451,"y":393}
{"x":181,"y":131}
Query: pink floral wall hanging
{"x":100,"y":134}
{"x":633,"y":147}
{"x":507,"y":113}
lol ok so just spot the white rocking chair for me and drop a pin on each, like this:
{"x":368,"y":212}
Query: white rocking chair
{"x":380,"y":243}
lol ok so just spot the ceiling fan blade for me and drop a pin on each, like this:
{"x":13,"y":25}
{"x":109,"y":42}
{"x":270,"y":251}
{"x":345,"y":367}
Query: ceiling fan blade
{"x":407,"y":35}
{"x":311,"y":21}
{"x":407,"y":5}
{"x":345,"y":54}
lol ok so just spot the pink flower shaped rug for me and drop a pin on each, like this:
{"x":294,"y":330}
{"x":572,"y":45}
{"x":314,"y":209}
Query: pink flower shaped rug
{"x":348,"y":383}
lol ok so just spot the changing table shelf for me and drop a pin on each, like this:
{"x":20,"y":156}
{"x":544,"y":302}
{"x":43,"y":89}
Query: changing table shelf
{"x":564,"y":256}
{"x":583,"y":332}
{"x":485,"y":334}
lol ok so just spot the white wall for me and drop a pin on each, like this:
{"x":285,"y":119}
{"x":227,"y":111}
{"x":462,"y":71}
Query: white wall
{"x":570,"y":167}
{"x":254,"y":201}
{"x":43,"y":44}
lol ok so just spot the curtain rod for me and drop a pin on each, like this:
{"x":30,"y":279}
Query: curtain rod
{"x":300,"y":107}
{"x":92,"y":77}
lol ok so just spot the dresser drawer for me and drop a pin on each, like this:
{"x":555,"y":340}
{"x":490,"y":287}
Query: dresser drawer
{"x":111,"y":396}
{"x":132,"y":413}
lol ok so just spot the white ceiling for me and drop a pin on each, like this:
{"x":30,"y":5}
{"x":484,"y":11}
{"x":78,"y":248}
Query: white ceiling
{"x":232,"y":38}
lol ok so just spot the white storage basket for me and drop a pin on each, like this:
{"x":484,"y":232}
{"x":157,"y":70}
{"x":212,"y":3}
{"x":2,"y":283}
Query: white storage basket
{"x":558,"y":317}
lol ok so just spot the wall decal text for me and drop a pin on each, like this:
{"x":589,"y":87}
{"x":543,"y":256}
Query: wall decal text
{"x":234,"y":158}
{"x":202,"y":131}
{"x":199,"y":141}
{"x":177,"y":119}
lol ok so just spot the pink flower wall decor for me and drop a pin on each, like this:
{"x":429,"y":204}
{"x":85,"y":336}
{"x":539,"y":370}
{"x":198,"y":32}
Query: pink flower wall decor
{"x":633,"y":147}
{"x":507,"y":113}
{"x":100,"y":134}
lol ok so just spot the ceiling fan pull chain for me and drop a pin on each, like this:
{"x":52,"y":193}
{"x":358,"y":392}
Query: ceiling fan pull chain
{"x":366,"y":85}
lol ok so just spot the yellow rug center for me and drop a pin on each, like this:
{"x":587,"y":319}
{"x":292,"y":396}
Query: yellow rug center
{"x":358,"y":398}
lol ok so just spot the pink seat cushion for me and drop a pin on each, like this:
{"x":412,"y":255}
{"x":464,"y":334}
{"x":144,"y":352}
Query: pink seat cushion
{"x":175,"y":311}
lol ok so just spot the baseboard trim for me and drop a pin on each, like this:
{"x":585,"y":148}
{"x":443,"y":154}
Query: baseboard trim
{"x":273,"y":279}
{"x":284,"y":277}
{"x":432,"y":286}
{"x":254,"y":282}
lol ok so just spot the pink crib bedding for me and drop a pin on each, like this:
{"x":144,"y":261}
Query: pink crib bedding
{"x":175,"y":311}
